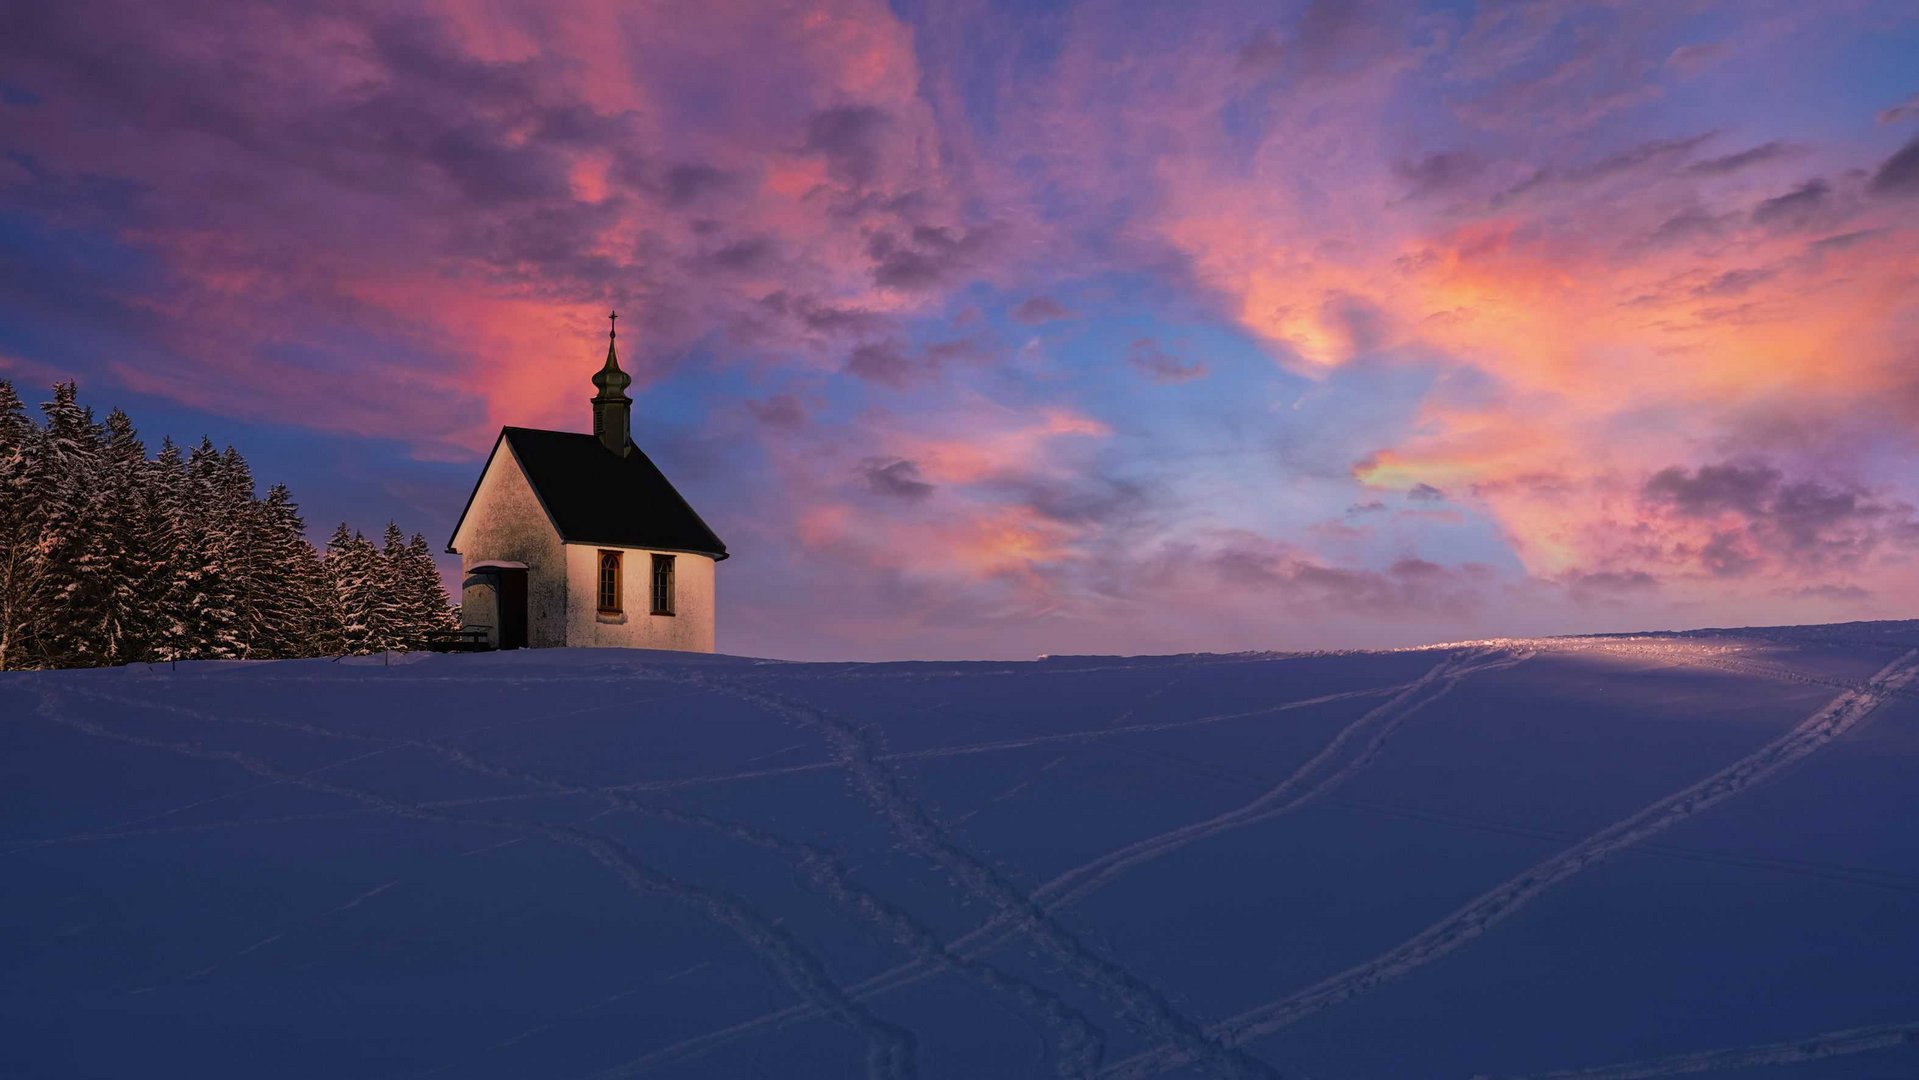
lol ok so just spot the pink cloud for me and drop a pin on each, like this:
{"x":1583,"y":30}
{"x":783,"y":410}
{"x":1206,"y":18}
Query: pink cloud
{"x":478,"y":187}
{"x":1560,"y":279}
{"x":402,"y":226}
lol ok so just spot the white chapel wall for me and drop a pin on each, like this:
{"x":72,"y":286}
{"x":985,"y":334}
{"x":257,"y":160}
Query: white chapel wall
{"x":507,"y":523}
{"x":691,"y":626}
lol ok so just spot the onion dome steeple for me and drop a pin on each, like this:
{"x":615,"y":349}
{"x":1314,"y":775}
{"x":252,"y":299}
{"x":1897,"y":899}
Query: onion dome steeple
{"x":612,"y":409}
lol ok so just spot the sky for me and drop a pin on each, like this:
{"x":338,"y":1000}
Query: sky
{"x":991,"y":329}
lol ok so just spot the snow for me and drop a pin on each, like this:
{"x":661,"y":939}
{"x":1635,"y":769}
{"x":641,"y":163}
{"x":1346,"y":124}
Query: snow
{"x":1641,"y":856}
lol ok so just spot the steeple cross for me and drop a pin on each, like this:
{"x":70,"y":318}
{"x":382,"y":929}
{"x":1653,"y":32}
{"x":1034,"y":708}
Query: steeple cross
{"x":613,"y":319}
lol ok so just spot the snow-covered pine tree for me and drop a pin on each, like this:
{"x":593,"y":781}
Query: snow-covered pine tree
{"x":166,"y":494}
{"x":109,"y":557}
{"x":382,"y":621}
{"x":73,"y":573}
{"x":124,"y":615}
{"x":211,"y":550}
{"x":179,"y":537}
{"x":297,"y":606}
{"x":389,"y":597}
{"x":358,"y":575}
{"x":433,"y":612}
{"x":20,"y":555}
{"x":326,"y":634}
{"x":395,"y":598}
{"x":414,"y":603}
{"x":333,"y":561}
{"x":250,"y":578}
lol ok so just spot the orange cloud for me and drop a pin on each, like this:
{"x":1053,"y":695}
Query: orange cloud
{"x":975,"y":544}
{"x":1595,"y":338}
{"x":988,"y":441}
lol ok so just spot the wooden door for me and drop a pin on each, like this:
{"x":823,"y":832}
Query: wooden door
{"x":512,"y":609}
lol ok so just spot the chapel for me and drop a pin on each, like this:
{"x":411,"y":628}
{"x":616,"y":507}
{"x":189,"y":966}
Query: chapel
{"x":572,"y":539}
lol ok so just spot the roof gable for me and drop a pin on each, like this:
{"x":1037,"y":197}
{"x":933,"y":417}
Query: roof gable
{"x":479,"y":482}
{"x":594,"y":496}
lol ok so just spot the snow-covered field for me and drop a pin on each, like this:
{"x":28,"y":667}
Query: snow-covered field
{"x":1602,"y":857}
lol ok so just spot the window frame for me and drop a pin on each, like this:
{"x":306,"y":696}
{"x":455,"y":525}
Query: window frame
{"x":654,"y":590}
{"x":619,"y":581}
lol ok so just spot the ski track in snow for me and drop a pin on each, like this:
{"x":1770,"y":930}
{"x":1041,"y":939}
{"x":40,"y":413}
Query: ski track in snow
{"x":1089,"y":877}
{"x":270,"y":939}
{"x":1851,"y":875}
{"x":1085,"y":879}
{"x":883,"y":790}
{"x":1795,"y":1051}
{"x":890,"y":1049}
{"x":1024,"y":784}
{"x":129,"y":828}
{"x":1839,"y":716}
{"x":126,"y":830}
{"x":1377,"y":725}
{"x":1075,"y":1043}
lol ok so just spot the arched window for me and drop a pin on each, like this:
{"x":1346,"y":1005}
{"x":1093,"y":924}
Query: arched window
{"x":610,"y":582}
{"x":662,"y":584}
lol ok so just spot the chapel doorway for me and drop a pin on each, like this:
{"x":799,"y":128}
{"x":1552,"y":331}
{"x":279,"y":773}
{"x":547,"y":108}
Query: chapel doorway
{"x":512,"y":608}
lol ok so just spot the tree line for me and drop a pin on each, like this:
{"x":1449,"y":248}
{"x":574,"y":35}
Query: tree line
{"x":108,"y":556}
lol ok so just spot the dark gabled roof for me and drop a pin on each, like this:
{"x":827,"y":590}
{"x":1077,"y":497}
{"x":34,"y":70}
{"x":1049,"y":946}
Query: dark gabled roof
{"x":597,"y":497}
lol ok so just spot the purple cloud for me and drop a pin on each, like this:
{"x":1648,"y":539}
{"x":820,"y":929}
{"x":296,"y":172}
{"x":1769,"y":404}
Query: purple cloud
{"x":895,"y":478}
{"x":1898,"y":174}
{"x":1795,"y":206}
{"x":1040,"y":309}
{"x":1161,"y":366}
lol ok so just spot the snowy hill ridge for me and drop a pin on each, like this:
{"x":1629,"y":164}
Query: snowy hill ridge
{"x":1612,"y":856}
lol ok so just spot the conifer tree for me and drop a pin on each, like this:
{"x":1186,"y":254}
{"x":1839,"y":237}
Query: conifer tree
{"x":432,"y":613}
{"x":20,"y":557}
{"x":214,"y":565}
{"x":414,"y":602}
{"x":298,"y":607}
{"x":243,"y":535}
{"x":126,"y":605}
{"x":395,"y":608}
{"x":176,"y":538}
{"x":107,"y":557}
{"x":358,"y":576}
{"x":73,"y":574}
